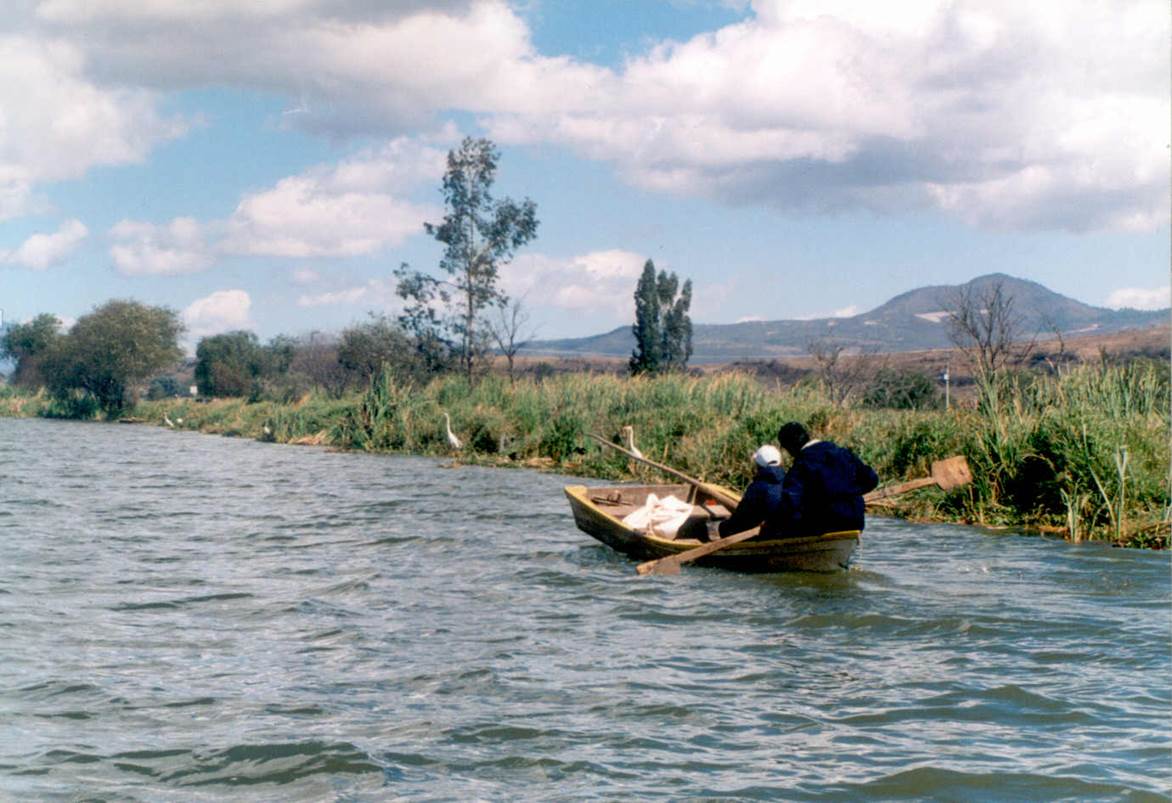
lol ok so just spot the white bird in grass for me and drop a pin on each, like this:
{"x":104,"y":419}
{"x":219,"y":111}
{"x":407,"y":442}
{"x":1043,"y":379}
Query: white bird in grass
{"x":629,"y":432}
{"x":167,"y":420}
{"x":453,"y":441}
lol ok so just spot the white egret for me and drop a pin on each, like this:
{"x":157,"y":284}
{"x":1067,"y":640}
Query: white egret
{"x":629,"y":432}
{"x":453,"y":441}
{"x":167,"y":420}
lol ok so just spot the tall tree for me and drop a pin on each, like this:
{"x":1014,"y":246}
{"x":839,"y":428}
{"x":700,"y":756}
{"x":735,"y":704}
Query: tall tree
{"x":27,"y":344}
{"x":366,"y":349}
{"x":663,"y":328}
{"x":229,"y":364}
{"x":677,"y":329}
{"x":110,"y":351}
{"x":479,"y":234}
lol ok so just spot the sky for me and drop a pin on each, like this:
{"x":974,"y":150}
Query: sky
{"x":267,"y":165}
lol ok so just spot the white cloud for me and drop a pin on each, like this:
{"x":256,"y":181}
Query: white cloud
{"x":146,"y":249}
{"x":1003,"y":114}
{"x":57,"y":123}
{"x":597,"y":281}
{"x":1006,"y":115}
{"x":342,"y":210}
{"x":42,"y":250}
{"x":346,"y":209}
{"x":1140,"y":298}
{"x":750,"y":319}
{"x":222,"y":311}
{"x":376,"y":293}
{"x":849,"y":311}
{"x":305,"y":276}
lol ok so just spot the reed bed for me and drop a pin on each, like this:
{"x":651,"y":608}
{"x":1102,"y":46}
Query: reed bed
{"x":1085,"y":453}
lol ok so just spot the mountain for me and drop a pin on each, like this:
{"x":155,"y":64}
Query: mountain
{"x":911,"y":321}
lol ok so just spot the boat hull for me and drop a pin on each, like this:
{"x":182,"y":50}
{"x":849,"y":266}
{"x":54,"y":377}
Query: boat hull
{"x":596,"y":514}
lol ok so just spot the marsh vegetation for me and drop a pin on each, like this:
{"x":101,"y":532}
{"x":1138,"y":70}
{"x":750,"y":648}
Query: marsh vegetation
{"x":1084,"y":452}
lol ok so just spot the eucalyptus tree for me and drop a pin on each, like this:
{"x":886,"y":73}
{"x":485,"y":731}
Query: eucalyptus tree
{"x":480,"y":234}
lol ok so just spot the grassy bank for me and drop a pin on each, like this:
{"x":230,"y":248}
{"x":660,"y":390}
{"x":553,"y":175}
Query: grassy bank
{"x":1085,"y":453}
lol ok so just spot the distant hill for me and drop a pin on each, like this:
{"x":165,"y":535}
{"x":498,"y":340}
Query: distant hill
{"x":911,"y":321}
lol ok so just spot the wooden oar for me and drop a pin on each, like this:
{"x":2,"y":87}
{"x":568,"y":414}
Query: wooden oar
{"x":717,"y":493}
{"x":952,"y":472}
{"x":671,"y":564}
{"x":949,"y":473}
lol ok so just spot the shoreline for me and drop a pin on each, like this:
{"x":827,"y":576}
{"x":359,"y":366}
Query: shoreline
{"x":542,"y":426}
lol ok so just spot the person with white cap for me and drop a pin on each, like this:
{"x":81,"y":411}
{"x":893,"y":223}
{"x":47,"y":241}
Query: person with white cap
{"x":761,"y":498}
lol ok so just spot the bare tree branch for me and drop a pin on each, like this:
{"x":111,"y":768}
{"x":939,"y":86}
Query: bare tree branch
{"x":984,"y":325}
{"x":840,"y":374}
{"x":505,"y":329}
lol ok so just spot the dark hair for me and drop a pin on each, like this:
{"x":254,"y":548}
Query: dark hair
{"x":792,"y":437}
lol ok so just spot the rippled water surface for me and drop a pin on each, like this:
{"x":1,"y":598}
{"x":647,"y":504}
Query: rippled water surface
{"x":187,"y":617}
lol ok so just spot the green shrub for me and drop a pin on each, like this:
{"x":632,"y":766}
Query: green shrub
{"x":901,"y":389}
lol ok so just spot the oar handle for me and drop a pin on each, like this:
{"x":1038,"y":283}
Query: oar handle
{"x":895,"y":490}
{"x":665,"y":469}
{"x":726,"y":500}
{"x":671,"y":564}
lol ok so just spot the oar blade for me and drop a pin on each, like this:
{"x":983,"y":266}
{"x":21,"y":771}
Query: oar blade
{"x":668,"y":565}
{"x":952,"y":472}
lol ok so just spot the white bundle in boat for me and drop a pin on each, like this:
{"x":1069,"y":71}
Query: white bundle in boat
{"x":660,"y":516}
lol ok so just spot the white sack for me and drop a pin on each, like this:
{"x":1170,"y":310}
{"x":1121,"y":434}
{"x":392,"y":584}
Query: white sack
{"x":660,"y":516}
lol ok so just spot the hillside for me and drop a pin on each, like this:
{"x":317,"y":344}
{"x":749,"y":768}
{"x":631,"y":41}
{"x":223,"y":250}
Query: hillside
{"x":912,"y":321}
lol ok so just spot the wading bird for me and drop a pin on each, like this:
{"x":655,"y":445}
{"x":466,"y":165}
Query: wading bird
{"x":629,"y":433}
{"x":167,"y":420}
{"x":453,"y":441}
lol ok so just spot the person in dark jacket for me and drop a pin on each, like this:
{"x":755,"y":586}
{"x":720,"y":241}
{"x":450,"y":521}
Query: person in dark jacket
{"x":823,"y":490}
{"x":761,"y":498}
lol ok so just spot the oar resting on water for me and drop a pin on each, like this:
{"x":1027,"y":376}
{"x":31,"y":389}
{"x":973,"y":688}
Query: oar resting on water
{"x":949,"y":473}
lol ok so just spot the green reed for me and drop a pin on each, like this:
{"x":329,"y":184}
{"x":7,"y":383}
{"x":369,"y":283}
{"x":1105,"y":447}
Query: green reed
{"x":1085,"y":452}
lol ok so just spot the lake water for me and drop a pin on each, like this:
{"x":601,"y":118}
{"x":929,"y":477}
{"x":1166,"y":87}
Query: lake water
{"x":186,"y":617}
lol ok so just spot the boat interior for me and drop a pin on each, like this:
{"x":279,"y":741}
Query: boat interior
{"x":622,"y":500}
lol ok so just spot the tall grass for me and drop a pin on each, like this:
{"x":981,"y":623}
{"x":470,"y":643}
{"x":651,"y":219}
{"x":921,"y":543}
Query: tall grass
{"x":1085,"y":452}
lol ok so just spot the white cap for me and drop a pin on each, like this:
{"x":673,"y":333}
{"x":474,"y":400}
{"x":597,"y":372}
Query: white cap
{"x":767,"y":456}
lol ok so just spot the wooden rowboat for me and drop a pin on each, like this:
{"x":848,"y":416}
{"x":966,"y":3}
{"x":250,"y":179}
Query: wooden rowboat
{"x":599,"y":511}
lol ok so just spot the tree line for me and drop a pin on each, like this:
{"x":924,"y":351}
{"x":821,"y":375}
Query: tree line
{"x":454,"y":319}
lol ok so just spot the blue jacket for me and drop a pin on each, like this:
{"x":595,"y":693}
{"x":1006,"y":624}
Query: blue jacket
{"x":761,"y":500}
{"x":823,"y":492}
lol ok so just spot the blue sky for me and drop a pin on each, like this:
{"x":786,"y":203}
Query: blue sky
{"x":267,"y":166}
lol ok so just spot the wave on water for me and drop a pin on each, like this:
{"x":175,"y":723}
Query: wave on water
{"x":296,"y":625}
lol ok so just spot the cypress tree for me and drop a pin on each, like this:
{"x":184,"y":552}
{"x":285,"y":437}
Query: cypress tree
{"x":662,"y":329}
{"x":645,"y":358}
{"x":677,"y":330}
